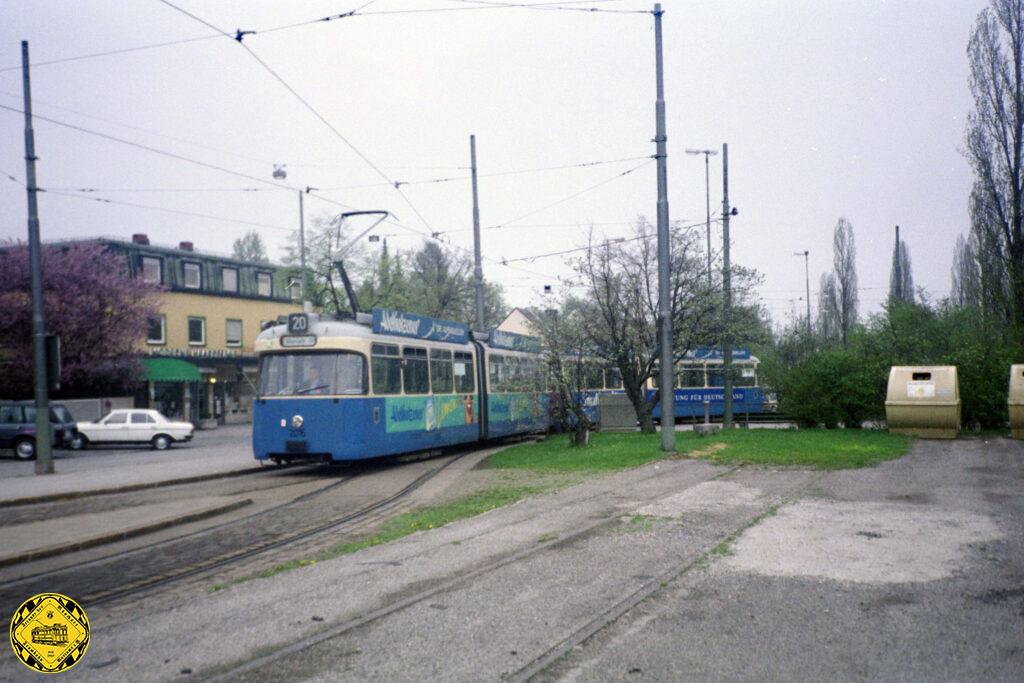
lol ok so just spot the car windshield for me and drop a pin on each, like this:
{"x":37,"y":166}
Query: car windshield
{"x":312,"y":374}
{"x":61,"y":414}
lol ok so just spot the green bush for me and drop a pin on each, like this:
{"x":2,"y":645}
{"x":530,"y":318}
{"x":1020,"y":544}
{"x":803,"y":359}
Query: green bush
{"x":822,"y":382}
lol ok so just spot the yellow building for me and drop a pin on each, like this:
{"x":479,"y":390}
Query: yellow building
{"x":198,"y":354}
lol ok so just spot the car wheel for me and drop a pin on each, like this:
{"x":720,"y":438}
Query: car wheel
{"x":161,"y":442}
{"x":25,"y":449}
{"x":79,"y":442}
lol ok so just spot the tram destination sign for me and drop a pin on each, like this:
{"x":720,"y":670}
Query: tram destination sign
{"x":499,"y":339}
{"x":389,"y":321}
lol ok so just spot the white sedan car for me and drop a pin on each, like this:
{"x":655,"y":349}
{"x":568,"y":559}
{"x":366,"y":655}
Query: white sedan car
{"x":132,"y":426}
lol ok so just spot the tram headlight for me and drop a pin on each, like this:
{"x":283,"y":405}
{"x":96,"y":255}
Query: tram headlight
{"x":297,"y":422}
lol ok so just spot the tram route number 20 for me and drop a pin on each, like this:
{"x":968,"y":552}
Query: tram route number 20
{"x":298,"y":323}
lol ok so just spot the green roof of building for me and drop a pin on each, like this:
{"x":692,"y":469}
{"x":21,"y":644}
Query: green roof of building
{"x":170,"y":370}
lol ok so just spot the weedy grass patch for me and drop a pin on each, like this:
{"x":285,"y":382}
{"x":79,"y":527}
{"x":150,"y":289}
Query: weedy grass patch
{"x":816,"y":448}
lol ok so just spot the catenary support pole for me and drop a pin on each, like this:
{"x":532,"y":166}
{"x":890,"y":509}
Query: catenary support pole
{"x":807,"y":282}
{"x":707,"y":206}
{"x":478,"y":273}
{"x":726,"y":295}
{"x":665,"y":383}
{"x":44,"y":453}
{"x":302,"y":247}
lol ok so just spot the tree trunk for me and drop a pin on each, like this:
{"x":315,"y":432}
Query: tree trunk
{"x":581,"y":434}
{"x":646,"y":421}
{"x":1017,"y":284}
{"x":638,"y":397}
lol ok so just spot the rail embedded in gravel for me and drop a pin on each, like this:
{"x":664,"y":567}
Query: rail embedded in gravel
{"x":540,"y":662}
{"x":242,"y":549}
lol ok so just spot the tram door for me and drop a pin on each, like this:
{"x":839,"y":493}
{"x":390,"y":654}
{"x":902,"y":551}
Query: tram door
{"x":481,"y":378}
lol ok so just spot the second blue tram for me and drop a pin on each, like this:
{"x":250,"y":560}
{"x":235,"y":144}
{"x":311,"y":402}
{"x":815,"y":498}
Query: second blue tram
{"x":698,"y":378}
{"x":390,"y":383}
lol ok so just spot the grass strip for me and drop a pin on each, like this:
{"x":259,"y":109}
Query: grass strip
{"x":826,"y":449}
{"x":407,"y":523}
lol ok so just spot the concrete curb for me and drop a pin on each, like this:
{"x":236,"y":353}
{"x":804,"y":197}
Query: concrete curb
{"x":127,"y":488}
{"x":123,"y":534}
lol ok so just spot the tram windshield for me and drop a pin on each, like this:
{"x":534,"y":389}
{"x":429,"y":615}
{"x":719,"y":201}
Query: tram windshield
{"x":312,"y":374}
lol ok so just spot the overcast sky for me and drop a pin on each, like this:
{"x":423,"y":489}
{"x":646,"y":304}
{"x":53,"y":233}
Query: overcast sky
{"x":830,"y":108}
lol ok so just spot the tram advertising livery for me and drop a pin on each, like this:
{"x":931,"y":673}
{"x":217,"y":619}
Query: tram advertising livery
{"x":698,"y":378}
{"x":389,"y":383}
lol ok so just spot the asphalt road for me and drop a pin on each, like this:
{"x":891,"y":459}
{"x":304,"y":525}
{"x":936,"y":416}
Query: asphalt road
{"x":224,"y":449}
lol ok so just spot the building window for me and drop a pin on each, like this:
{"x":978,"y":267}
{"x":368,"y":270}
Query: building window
{"x":193,"y":276}
{"x":157,"y":330}
{"x":234,"y":336}
{"x":152,"y":270}
{"x":264,"y":286}
{"x":229,"y":279}
{"x":295,"y":289}
{"x":197,"y":331}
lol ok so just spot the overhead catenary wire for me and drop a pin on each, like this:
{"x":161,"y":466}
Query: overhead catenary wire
{"x":308,"y":106}
{"x":104,"y":200}
{"x":566,"y":199}
{"x":36,"y":101}
{"x":551,"y":6}
{"x":522,"y":171}
{"x":609,"y":241}
{"x":180,"y":212}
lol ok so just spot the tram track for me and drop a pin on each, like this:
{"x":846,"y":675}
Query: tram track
{"x":235,"y":541}
{"x":123,"y":554}
{"x":540,"y":662}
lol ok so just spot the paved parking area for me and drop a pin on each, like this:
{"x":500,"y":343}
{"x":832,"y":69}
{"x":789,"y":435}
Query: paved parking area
{"x":224,"y":449}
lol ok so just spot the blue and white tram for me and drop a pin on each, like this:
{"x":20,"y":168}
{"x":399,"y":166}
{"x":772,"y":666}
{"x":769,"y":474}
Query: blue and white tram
{"x":699,"y":377}
{"x":390,"y":383}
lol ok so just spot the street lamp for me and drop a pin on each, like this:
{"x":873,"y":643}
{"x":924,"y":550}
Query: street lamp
{"x":807,"y":276}
{"x":707,"y":194}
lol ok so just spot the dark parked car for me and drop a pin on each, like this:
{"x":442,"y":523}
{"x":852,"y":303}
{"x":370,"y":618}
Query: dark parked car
{"x":18,"y":427}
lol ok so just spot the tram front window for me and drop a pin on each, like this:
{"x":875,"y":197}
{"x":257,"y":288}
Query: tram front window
{"x":312,"y":374}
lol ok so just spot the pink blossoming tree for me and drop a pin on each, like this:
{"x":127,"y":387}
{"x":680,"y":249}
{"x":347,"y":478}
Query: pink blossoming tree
{"x":99,"y":312}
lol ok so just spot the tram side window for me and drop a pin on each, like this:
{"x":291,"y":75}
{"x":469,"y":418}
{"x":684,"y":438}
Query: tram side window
{"x":463,"y":367}
{"x":689,"y":377}
{"x":593,"y":376}
{"x":496,"y":373}
{"x":745,"y":376}
{"x":715,"y":376}
{"x":441,"y":371}
{"x":512,"y":374}
{"x":416,"y":376}
{"x":613,"y":378}
{"x":386,"y":364}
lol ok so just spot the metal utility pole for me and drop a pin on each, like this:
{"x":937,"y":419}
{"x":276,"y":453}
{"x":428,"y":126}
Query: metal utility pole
{"x":665,"y":384}
{"x":302,"y":246}
{"x":727,"y":294}
{"x":899,"y":267}
{"x":44,"y":454}
{"x":478,"y":273}
{"x":707,"y":197}
{"x":807,"y":276}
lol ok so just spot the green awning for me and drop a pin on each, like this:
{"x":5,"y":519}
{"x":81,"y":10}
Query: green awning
{"x":170,"y":370}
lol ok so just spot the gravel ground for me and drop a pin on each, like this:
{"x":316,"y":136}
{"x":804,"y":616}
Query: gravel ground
{"x":913,"y":570}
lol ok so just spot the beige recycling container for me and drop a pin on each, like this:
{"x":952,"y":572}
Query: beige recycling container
{"x":923,"y":401}
{"x":1016,"y":401}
